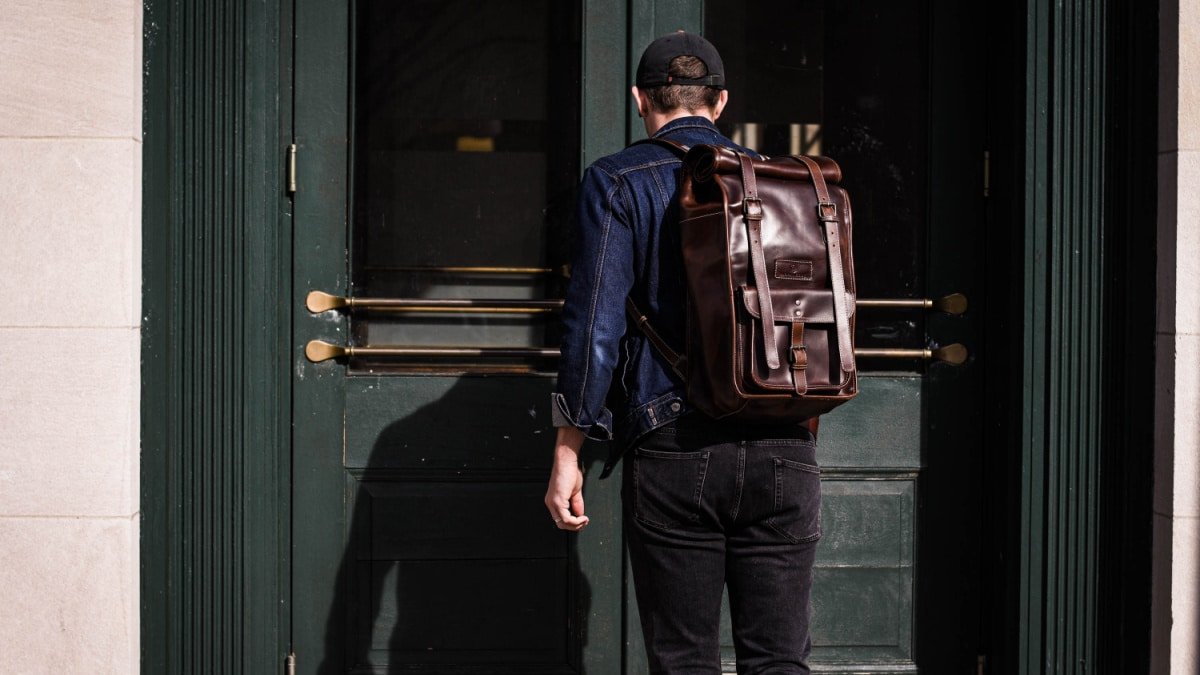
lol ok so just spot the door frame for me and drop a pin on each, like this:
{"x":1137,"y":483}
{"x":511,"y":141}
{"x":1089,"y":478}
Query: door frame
{"x":215,"y":480}
{"x":215,"y":377}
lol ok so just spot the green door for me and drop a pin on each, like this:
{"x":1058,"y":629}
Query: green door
{"x":438,"y":147}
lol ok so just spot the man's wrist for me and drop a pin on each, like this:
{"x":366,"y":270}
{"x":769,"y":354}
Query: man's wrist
{"x":568,"y":443}
{"x":564,"y":453}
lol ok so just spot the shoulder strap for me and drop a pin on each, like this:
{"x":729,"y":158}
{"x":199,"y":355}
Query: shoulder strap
{"x":674,"y":146}
{"x":678,"y":361}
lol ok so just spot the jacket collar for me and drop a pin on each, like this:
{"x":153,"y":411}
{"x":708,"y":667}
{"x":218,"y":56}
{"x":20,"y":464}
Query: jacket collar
{"x":689,"y":122}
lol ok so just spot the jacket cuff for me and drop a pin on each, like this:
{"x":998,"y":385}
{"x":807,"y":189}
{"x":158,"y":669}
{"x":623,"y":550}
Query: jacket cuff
{"x":600,"y":430}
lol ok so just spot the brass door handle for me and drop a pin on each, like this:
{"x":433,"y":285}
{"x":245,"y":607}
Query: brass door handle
{"x":955,"y":303}
{"x":319,"y":301}
{"x":319,"y":350}
{"x":955,"y":354}
{"x":469,"y":270}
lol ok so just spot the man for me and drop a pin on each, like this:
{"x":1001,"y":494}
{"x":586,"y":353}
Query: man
{"x":706,"y":503}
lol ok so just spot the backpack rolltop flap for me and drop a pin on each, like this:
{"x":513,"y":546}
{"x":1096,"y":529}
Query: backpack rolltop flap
{"x":703,"y":161}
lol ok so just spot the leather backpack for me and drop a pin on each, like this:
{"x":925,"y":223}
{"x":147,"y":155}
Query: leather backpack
{"x":770,"y":286}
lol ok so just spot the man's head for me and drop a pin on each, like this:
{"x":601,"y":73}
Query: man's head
{"x":679,"y":74}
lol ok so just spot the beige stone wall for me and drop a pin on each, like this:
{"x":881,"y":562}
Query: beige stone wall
{"x":70,"y":271}
{"x":1176,"y":593}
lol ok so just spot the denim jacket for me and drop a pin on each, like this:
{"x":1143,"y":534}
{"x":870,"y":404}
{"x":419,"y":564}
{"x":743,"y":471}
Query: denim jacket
{"x":626,"y":244}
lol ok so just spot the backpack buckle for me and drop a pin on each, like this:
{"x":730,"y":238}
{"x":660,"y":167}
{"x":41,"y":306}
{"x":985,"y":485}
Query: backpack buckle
{"x":752,"y":208}
{"x":826,"y":211}
{"x":798,"y":357}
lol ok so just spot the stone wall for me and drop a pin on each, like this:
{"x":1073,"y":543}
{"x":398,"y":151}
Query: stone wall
{"x":1176,"y":594}
{"x":70,"y":271}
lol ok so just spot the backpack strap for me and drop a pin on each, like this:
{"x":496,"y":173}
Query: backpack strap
{"x":678,"y":361}
{"x":752,"y":211}
{"x":676,"y":147}
{"x":827,"y":213}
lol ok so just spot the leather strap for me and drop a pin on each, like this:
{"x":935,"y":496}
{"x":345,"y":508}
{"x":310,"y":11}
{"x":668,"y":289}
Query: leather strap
{"x":678,"y":361}
{"x":753,"y":212}
{"x":799,"y":359}
{"x":827,"y":214}
{"x":674,"y":146}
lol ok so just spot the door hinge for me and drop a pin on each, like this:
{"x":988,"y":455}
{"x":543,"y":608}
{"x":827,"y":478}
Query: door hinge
{"x":291,"y":169}
{"x":987,"y":172}
{"x":290,"y":661}
{"x":981,"y":664}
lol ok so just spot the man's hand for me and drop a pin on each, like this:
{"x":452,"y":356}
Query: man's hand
{"x":564,"y":496}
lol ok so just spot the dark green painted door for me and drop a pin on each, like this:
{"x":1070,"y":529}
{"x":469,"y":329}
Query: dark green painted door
{"x":438,"y":142}
{"x":438,"y":138}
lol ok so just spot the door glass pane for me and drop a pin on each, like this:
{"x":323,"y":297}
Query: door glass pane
{"x":848,"y":80}
{"x":466,"y":160}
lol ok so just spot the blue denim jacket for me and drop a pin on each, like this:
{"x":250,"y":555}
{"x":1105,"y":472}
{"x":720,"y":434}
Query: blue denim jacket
{"x":626,"y":244}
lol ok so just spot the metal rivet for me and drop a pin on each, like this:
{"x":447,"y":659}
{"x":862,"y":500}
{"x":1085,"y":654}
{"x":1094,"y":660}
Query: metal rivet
{"x":675,"y":407}
{"x":798,"y":312}
{"x":797,"y":302}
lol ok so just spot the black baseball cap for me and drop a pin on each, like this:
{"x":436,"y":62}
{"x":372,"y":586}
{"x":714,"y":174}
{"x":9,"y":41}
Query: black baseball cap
{"x":654,"y":68}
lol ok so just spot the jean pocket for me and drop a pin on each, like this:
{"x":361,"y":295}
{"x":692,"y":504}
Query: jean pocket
{"x":667,"y":487}
{"x":797,"y":514}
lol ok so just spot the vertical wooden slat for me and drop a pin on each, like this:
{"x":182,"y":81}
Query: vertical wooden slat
{"x":1034,"y":327}
{"x":1123,"y":502}
{"x":1065,"y":224}
{"x":604,"y":124}
{"x":649,"y":19}
{"x":214,"y":339}
{"x":1099,"y":54}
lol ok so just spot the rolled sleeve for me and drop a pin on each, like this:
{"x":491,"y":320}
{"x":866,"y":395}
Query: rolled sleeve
{"x":594,"y":309}
{"x":560,"y":415}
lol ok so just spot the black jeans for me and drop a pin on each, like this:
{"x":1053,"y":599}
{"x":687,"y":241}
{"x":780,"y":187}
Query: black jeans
{"x":708,"y":505}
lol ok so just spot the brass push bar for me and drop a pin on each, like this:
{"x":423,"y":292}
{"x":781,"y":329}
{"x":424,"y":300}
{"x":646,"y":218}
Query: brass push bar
{"x":471,"y":269}
{"x":955,"y":303}
{"x":319,"y":301}
{"x":319,"y":350}
{"x":955,"y":354}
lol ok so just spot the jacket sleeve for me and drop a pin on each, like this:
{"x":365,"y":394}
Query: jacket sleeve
{"x":594,"y":311}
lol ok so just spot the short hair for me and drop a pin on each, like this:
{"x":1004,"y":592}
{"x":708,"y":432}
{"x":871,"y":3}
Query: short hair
{"x":690,"y":97}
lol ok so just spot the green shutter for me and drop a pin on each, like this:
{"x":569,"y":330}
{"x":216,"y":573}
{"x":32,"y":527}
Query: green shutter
{"x":214,"y":373}
{"x":1063,"y":321}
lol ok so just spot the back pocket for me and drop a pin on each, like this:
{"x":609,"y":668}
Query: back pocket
{"x":797,"y":514}
{"x":667,"y":487}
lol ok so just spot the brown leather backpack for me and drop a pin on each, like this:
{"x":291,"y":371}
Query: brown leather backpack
{"x":770,"y":282}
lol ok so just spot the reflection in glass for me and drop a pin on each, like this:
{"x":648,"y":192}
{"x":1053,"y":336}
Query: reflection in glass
{"x":849,"y":80}
{"x":466,"y":155}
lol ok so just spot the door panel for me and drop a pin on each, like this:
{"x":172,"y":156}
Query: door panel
{"x":421,"y":544}
{"x":439,"y":141}
{"x":870,"y":84}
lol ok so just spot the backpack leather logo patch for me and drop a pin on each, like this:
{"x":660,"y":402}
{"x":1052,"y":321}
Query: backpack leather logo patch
{"x":801,"y":270}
